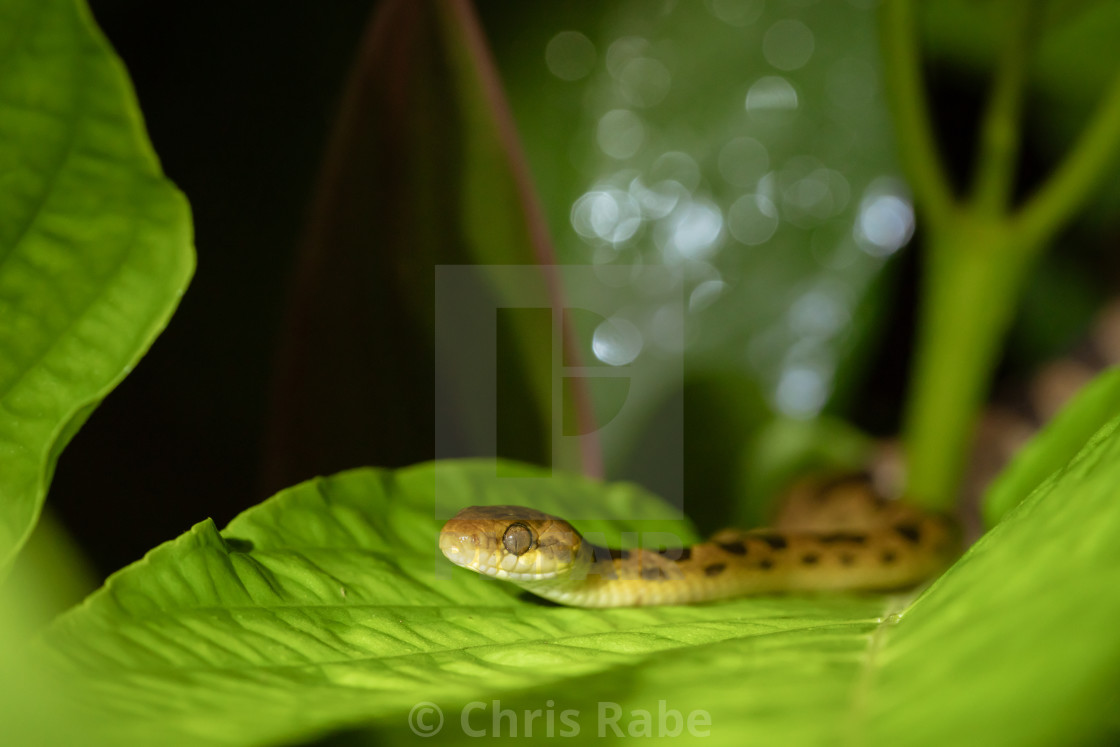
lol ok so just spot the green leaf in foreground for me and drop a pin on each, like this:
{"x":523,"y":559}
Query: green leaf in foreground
{"x":330,"y":604}
{"x":94,"y":242}
{"x":328,"y":607}
{"x":1016,"y":644}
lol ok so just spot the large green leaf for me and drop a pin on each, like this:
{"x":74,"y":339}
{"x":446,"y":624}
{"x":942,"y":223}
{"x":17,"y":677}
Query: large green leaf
{"x":328,"y":607}
{"x":1017,"y":644}
{"x":330,"y":604}
{"x":95,"y":245}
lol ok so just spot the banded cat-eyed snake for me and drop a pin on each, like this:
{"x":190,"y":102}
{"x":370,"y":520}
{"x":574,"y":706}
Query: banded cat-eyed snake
{"x":834,"y":534}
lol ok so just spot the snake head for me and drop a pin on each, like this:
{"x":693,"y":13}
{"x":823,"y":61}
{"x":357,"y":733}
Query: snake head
{"x":511,"y":543}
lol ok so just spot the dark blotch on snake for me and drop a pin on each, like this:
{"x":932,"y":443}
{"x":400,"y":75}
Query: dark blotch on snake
{"x":714,"y":569}
{"x":617,"y":554}
{"x":766,"y":564}
{"x":846,"y":558}
{"x":852,"y":537}
{"x":776,"y":541}
{"x":652,"y":573}
{"x":735,"y":548}
{"x":889,"y":556}
{"x":910,"y":532}
{"x":810,"y":558}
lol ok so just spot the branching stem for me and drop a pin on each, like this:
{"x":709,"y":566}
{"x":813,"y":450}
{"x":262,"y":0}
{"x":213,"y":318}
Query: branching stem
{"x":979,"y":250}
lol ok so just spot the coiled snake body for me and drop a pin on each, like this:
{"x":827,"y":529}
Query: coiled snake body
{"x":835,"y":534}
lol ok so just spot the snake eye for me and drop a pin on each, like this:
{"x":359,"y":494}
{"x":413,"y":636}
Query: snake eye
{"x":518,"y":539}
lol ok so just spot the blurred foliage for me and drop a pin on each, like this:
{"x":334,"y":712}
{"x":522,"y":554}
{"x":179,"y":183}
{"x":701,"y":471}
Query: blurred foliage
{"x":982,"y":241}
{"x":751,"y":207}
{"x":1065,"y":84}
{"x":1067,"y":72}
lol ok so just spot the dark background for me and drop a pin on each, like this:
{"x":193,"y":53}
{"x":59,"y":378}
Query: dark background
{"x":238,"y":100}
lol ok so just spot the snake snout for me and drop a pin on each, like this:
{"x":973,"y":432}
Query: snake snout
{"x":459,"y":547}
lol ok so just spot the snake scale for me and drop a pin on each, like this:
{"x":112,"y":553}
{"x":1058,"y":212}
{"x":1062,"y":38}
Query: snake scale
{"x":832,"y":534}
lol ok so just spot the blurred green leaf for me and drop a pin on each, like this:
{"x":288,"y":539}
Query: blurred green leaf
{"x":725,"y":411}
{"x":1016,"y":643}
{"x":424,"y":169}
{"x":33,"y":708}
{"x":1053,"y":448}
{"x":49,"y":576}
{"x":95,"y":245}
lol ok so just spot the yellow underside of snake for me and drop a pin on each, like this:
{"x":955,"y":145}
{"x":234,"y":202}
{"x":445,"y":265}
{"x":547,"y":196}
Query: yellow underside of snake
{"x":830,"y":535}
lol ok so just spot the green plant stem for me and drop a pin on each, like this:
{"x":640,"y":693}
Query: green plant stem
{"x":977,"y":252}
{"x":917,"y":146}
{"x":973,"y":273}
{"x":999,"y":131}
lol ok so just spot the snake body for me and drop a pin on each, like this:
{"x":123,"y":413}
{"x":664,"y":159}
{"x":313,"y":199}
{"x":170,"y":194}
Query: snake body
{"x":831,"y":535}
